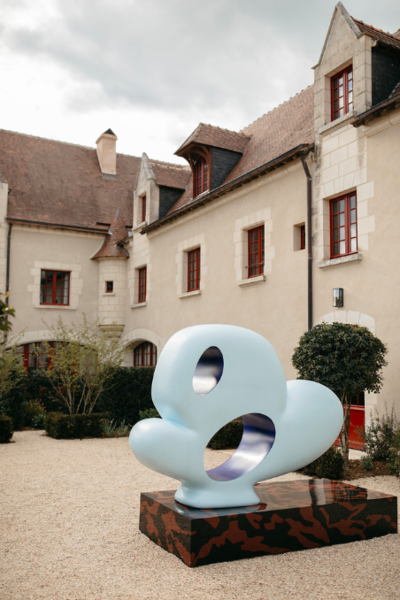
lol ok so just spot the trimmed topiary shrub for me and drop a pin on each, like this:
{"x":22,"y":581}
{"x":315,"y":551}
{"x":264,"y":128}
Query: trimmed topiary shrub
{"x":330,"y":465}
{"x":128,"y":393}
{"x":228,"y":436}
{"x":38,"y":387}
{"x":6,"y":429}
{"x":64,"y":427}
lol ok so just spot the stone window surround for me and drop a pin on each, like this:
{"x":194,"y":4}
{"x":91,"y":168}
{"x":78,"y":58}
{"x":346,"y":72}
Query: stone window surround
{"x":181,"y":257}
{"x":135,"y":303}
{"x":240,"y":238}
{"x":76,"y":283}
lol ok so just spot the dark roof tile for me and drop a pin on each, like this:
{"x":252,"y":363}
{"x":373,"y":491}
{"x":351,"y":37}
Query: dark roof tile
{"x":217,"y":137}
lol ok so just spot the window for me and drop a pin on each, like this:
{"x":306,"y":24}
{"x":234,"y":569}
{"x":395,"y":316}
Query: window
{"x":142,"y":274}
{"x":200,"y":175}
{"x":256,"y":251}
{"x":36,"y":356}
{"x":145,"y":355}
{"x":342,"y":93}
{"x":302,"y":237}
{"x":109,"y":287}
{"x":193,"y":270}
{"x":54,"y":287}
{"x":143,"y":208}
{"x":343,"y":225}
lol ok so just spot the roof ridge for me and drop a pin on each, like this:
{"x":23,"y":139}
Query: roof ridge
{"x":224,"y":129}
{"x":276,"y":107}
{"x":38,"y":137}
{"x":376,"y":28}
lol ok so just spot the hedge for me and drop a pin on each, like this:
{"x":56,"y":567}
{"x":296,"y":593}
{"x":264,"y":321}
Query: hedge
{"x":128,"y":393}
{"x":12,"y":402}
{"x":228,"y":436}
{"x":6,"y":429}
{"x":329,"y":465}
{"x":63,"y":427}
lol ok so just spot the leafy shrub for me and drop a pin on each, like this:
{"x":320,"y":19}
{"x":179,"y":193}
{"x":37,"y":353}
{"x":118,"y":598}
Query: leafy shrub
{"x":329,"y":465}
{"x":112,"y":429}
{"x":60,"y":426}
{"x":379,"y":436}
{"x":39,"y":387}
{"x":38,"y":421}
{"x":12,"y":400}
{"x":129,"y":392}
{"x":149,"y":413}
{"x":32,"y":409}
{"x":6,"y":429}
{"x":393,"y":460}
{"x":366,"y":462}
{"x":228,"y":436}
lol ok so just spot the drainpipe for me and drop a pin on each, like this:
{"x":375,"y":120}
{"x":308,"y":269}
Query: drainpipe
{"x":8,"y":261}
{"x":309,"y":248}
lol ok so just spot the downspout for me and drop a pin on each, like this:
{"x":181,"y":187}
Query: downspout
{"x":309,"y":248}
{"x":8,"y":261}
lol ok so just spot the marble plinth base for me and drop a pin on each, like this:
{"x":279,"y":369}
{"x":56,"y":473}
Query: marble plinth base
{"x":292,"y":515}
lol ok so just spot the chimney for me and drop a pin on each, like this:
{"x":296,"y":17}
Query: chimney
{"x":397,"y":34}
{"x":107,"y":153}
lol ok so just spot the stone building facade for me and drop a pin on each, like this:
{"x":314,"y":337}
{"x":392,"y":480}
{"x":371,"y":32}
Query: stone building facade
{"x":257,"y":230}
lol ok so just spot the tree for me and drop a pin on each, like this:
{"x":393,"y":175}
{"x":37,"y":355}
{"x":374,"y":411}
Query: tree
{"x":80,"y":363}
{"x":5,"y":312}
{"x":345,"y":358}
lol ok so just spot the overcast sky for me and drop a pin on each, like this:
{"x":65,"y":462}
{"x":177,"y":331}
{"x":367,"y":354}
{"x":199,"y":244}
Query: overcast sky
{"x":153,"y":69}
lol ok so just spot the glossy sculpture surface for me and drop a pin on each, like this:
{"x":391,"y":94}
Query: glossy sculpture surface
{"x":290,"y":516}
{"x":209,"y":375}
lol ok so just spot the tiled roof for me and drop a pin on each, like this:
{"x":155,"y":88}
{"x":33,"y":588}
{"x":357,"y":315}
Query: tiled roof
{"x":217,"y":137}
{"x":170,"y":175}
{"x":381,"y":36}
{"x":61,"y":184}
{"x":279,"y":131}
{"x":112,"y":245}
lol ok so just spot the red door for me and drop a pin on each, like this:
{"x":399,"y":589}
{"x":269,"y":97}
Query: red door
{"x":357,"y":422}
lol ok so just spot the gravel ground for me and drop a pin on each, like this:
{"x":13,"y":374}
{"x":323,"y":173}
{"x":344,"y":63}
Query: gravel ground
{"x":69,"y":513}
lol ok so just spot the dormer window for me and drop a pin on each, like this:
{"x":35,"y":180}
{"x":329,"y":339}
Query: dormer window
{"x":143,"y":208}
{"x":200,"y":175}
{"x":342,"y":93}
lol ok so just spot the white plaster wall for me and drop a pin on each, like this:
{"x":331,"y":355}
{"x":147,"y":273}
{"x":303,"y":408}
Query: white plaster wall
{"x":112,"y":306}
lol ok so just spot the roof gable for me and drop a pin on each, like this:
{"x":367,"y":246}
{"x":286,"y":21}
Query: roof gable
{"x":339,"y":14}
{"x":209,"y":135}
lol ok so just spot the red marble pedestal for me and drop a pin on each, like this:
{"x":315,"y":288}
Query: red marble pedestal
{"x":292,"y":515}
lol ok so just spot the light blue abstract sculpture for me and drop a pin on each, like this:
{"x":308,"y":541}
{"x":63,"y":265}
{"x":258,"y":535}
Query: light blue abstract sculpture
{"x":210,"y":374}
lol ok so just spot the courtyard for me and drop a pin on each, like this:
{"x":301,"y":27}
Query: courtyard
{"x":69,"y":513}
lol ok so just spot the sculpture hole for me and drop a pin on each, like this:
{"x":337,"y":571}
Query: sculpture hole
{"x":257,"y":440}
{"x":208,"y":371}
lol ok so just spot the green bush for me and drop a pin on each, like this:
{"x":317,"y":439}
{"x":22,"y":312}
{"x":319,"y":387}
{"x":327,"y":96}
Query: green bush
{"x":379,"y":436}
{"x":63,"y":427}
{"x":329,"y":465}
{"x":149,"y":413}
{"x":228,"y":436}
{"x":393,"y":460}
{"x":128,"y":393}
{"x":38,"y":421}
{"x":6,"y":429}
{"x":39,"y":387}
{"x":366,"y":462}
{"x":32,"y":409}
{"x":112,"y":429}
{"x":12,"y":401}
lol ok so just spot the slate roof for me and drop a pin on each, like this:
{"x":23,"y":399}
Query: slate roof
{"x":112,"y":246}
{"x":209,"y":135}
{"x":377,"y":34}
{"x":286,"y":127}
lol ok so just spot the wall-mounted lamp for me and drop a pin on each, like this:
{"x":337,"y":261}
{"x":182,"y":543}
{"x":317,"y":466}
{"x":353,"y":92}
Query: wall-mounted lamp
{"x":338,"y":297}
